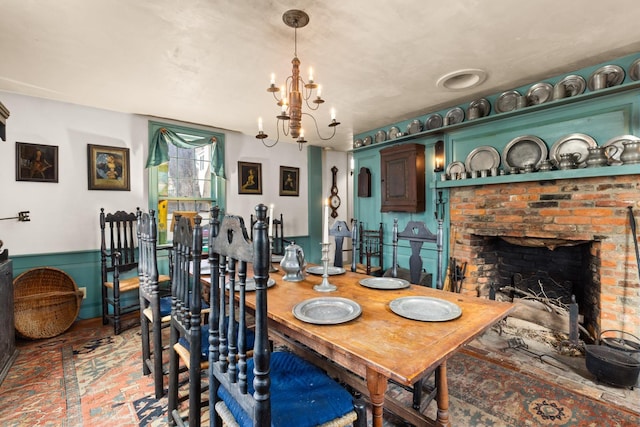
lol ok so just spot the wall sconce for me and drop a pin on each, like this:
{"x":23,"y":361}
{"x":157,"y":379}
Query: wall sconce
{"x":439,"y":156}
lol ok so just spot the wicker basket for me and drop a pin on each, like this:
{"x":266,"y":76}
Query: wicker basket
{"x":46,"y":302}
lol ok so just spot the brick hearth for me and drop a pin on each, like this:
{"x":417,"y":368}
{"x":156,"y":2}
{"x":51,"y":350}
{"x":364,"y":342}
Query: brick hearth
{"x":586,"y":209}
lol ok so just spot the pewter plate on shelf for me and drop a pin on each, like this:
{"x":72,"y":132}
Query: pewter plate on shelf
{"x":484,"y":108}
{"x":507,"y":101}
{"x":455,"y":167}
{"x":634,"y":70}
{"x":357,"y":143}
{"x":394,"y":132}
{"x":367,"y":140}
{"x":523,"y":150}
{"x":482,"y":158}
{"x":384,"y":283}
{"x":455,"y":115}
{"x":381,"y":136}
{"x":327,"y":310}
{"x":331,"y":270}
{"x":433,"y":122}
{"x":425,"y":309}
{"x":573,"y":143}
{"x":574,"y":85}
{"x":617,"y":142}
{"x":250,"y":284}
{"x":614,"y":73}
{"x":414,"y":127}
{"x":539,"y":93}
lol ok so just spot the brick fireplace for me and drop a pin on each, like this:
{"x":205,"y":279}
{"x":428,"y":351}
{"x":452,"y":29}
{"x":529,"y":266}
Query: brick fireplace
{"x":580,"y":225}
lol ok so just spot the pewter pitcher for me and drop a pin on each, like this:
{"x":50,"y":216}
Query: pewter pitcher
{"x":293,"y":263}
{"x":630,"y":152}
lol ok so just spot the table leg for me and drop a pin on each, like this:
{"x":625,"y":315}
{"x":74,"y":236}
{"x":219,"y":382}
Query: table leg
{"x":442,"y":396}
{"x":377,"y":385}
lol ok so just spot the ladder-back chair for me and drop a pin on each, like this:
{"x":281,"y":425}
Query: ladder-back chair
{"x":339,"y":230}
{"x":272,"y":388}
{"x":119,"y":263}
{"x":278,"y":239}
{"x":370,"y":246}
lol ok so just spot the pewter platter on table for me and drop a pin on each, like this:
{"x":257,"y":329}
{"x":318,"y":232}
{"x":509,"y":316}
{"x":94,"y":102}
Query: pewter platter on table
{"x":455,"y":115}
{"x":523,"y":150}
{"x":539,"y":93}
{"x":394,"y":132}
{"x":327,"y":310}
{"x":381,"y":136}
{"x":384,"y":283}
{"x":331,"y":270}
{"x":573,"y":85}
{"x":250,"y":284}
{"x":433,"y":122}
{"x":455,"y":167}
{"x":483,"y":106}
{"x":276,"y":258}
{"x":617,"y":142}
{"x":614,"y":73}
{"x":574,"y":143}
{"x":507,"y":101}
{"x":414,"y":127}
{"x":482,"y":158}
{"x":634,"y":70}
{"x":425,"y":309}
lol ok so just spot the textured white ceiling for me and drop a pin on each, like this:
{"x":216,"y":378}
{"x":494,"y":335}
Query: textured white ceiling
{"x":209,"y":61}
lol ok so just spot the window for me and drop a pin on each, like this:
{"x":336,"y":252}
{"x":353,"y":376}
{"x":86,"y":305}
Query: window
{"x":190,"y":182}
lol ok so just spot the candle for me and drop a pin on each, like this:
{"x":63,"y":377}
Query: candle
{"x":333,"y":114}
{"x":310,"y":74}
{"x":273,"y":79}
{"x":260,"y":129}
{"x":319,"y":91}
{"x":325,"y":222}
{"x":270,"y":219}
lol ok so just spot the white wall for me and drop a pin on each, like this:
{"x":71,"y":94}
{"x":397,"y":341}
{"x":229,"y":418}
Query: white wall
{"x":64,"y":215}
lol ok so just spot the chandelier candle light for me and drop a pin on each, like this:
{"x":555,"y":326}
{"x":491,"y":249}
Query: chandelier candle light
{"x":289,"y":96}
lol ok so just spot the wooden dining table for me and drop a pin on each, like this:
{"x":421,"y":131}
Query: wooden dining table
{"x":379,"y":345}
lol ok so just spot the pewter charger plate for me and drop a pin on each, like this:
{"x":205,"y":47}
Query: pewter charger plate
{"x":250,"y":284}
{"x":482,"y":158}
{"x":425,"y":309}
{"x":327,"y":310}
{"x":384,"y":283}
{"x":331,"y":270}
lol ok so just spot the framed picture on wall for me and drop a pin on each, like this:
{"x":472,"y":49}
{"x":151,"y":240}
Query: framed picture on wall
{"x":108,"y":168}
{"x":289,"y":181}
{"x":249,"y":178}
{"x":36,"y":162}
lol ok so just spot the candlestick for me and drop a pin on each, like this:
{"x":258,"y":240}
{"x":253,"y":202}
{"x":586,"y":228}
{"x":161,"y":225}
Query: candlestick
{"x":325,"y":286}
{"x":325,"y":223}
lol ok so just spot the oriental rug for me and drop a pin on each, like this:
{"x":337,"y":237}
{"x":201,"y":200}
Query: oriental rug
{"x":88,"y":377}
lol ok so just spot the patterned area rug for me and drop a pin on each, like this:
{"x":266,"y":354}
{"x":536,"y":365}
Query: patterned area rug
{"x":95,"y":379}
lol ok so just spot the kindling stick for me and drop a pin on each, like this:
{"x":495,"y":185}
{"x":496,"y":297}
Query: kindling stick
{"x":632,"y":223}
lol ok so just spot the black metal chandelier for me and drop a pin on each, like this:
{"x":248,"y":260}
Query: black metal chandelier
{"x":291,"y":95}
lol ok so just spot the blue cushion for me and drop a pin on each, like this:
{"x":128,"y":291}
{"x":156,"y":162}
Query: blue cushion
{"x":204,"y":341}
{"x":302,"y":395}
{"x":165,"y":306}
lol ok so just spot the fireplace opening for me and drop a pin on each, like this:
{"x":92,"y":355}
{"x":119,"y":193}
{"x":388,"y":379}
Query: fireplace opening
{"x":548,"y":268}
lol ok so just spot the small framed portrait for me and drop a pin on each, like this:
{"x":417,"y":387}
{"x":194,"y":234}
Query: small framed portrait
{"x":36,"y":162}
{"x":289,"y":181}
{"x":249,"y":178}
{"x":108,"y":168}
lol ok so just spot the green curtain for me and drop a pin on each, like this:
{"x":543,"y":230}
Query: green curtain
{"x":159,"y":150}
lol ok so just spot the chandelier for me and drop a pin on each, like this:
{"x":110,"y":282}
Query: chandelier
{"x":290,"y":96}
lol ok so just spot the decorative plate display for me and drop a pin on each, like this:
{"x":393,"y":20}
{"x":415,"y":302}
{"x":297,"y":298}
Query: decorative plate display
{"x":455,"y":167}
{"x":250,"y":284}
{"x":433,"y":122}
{"x":425,"y":309}
{"x":573,"y":143}
{"x":367,"y":140}
{"x":331,"y":270}
{"x":617,"y":142}
{"x":573,"y":85}
{"x":524,"y":150}
{"x":482,"y":158}
{"x":634,"y":70}
{"x":539,"y":93}
{"x":483,"y":106}
{"x":414,"y":127}
{"x":327,"y":310}
{"x":455,"y":115}
{"x":381,"y":136}
{"x":384,"y":283}
{"x":614,"y":73}
{"x":357,"y":143}
{"x":507,"y":101}
{"x":394,"y":132}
